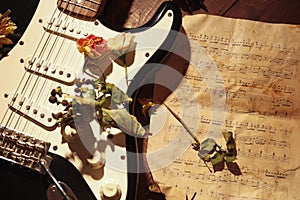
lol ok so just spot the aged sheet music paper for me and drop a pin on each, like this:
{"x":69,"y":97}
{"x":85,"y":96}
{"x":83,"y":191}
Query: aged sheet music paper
{"x":244,"y":76}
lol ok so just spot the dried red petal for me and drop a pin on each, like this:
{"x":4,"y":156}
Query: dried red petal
{"x":92,"y":42}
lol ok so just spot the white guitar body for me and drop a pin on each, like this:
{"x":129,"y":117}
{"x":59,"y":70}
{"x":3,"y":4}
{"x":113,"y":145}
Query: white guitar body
{"x":46,"y":57}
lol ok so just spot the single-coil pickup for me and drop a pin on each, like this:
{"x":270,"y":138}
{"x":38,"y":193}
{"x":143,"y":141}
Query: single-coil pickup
{"x":50,"y":71}
{"x":19,"y":148}
{"x":67,"y":29}
{"x":35,"y":113}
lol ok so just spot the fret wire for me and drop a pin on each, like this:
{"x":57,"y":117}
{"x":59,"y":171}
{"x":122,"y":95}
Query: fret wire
{"x":91,"y":1}
{"x":81,"y":6}
{"x":95,"y":2}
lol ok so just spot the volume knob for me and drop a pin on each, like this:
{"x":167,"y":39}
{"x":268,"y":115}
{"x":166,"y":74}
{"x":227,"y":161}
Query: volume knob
{"x":110,"y":190}
{"x":97,"y":160}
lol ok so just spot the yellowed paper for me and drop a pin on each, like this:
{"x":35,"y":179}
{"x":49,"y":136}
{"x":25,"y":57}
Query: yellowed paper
{"x":244,"y":76}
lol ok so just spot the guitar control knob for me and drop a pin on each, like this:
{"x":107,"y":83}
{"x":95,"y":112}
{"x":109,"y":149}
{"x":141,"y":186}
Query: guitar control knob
{"x":69,"y":133}
{"x":110,"y":190}
{"x":97,"y":160}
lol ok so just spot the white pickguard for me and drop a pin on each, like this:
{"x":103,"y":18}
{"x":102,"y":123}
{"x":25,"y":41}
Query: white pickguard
{"x":59,"y":52}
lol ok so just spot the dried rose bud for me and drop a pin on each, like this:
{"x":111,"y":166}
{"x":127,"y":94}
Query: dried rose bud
{"x":53,"y":92}
{"x":77,"y":90}
{"x":88,"y":81}
{"x":57,"y":115}
{"x":68,"y":106}
{"x":64,"y":102}
{"x":52,"y":99}
{"x":58,"y":91}
{"x":78,"y":83}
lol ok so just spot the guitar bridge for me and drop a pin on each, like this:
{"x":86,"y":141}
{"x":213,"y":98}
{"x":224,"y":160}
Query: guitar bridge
{"x":19,"y":148}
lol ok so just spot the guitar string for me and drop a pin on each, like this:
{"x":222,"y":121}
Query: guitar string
{"x":32,"y":76}
{"x":68,"y":52}
{"x":9,"y":116}
{"x":48,"y":58}
{"x":27,"y":82}
{"x":70,"y":47}
{"x":53,"y":48}
{"x":46,"y":87}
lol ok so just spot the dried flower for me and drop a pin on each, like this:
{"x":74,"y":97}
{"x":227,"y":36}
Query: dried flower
{"x":123,"y":47}
{"x":146,"y":105}
{"x":120,"y":48}
{"x":123,"y":43}
{"x":103,"y":102}
{"x":93,"y":46}
{"x":7,"y":27}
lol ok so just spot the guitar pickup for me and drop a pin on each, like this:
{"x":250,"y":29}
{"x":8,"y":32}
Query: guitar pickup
{"x":50,"y":71}
{"x":33,"y":112}
{"x":19,"y":148}
{"x":65,"y":28}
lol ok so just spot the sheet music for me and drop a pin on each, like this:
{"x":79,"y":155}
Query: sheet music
{"x":257,"y":73}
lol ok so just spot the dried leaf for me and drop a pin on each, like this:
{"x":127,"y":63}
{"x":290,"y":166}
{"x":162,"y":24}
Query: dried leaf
{"x":207,"y":147}
{"x":234,"y":168}
{"x":229,"y":158}
{"x":117,"y":95}
{"x":216,"y":158}
{"x":230,"y":142}
{"x":210,"y":151}
{"x":123,"y":120}
{"x":7,"y":28}
{"x":219,"y":166}
{"x":146,"y":105}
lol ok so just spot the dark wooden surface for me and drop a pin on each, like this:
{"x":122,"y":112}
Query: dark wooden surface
{"x":275,"y":11}
{"x":139,"y":11}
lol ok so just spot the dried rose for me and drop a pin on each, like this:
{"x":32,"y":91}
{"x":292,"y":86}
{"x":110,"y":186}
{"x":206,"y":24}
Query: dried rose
{"x":93,"y":46}
{"x":123,"y":48}
{"x":97,"y":55}
{"x":122,"y":42}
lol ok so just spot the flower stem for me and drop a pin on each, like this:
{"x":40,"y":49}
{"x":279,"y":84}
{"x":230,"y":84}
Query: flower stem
{"x":183,"y":124}
{"x":123,"y":57}
{"x":126,"y":74}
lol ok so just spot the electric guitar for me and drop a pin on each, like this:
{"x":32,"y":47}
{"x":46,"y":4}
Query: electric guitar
{"x":40,"y":159}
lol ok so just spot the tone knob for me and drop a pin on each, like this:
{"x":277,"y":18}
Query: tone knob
{"x":110,"y":190}
{"x":97,"y":160}
{"x":69,"y":134}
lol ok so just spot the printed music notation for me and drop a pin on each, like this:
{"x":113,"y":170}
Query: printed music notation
{"x":223,"y":41}
{"x":195,"y":180}
{"x":247,"y":76}
{"x":258,"y":67}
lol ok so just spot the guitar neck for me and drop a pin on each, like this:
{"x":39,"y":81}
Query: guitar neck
{"x":83,"y":9}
